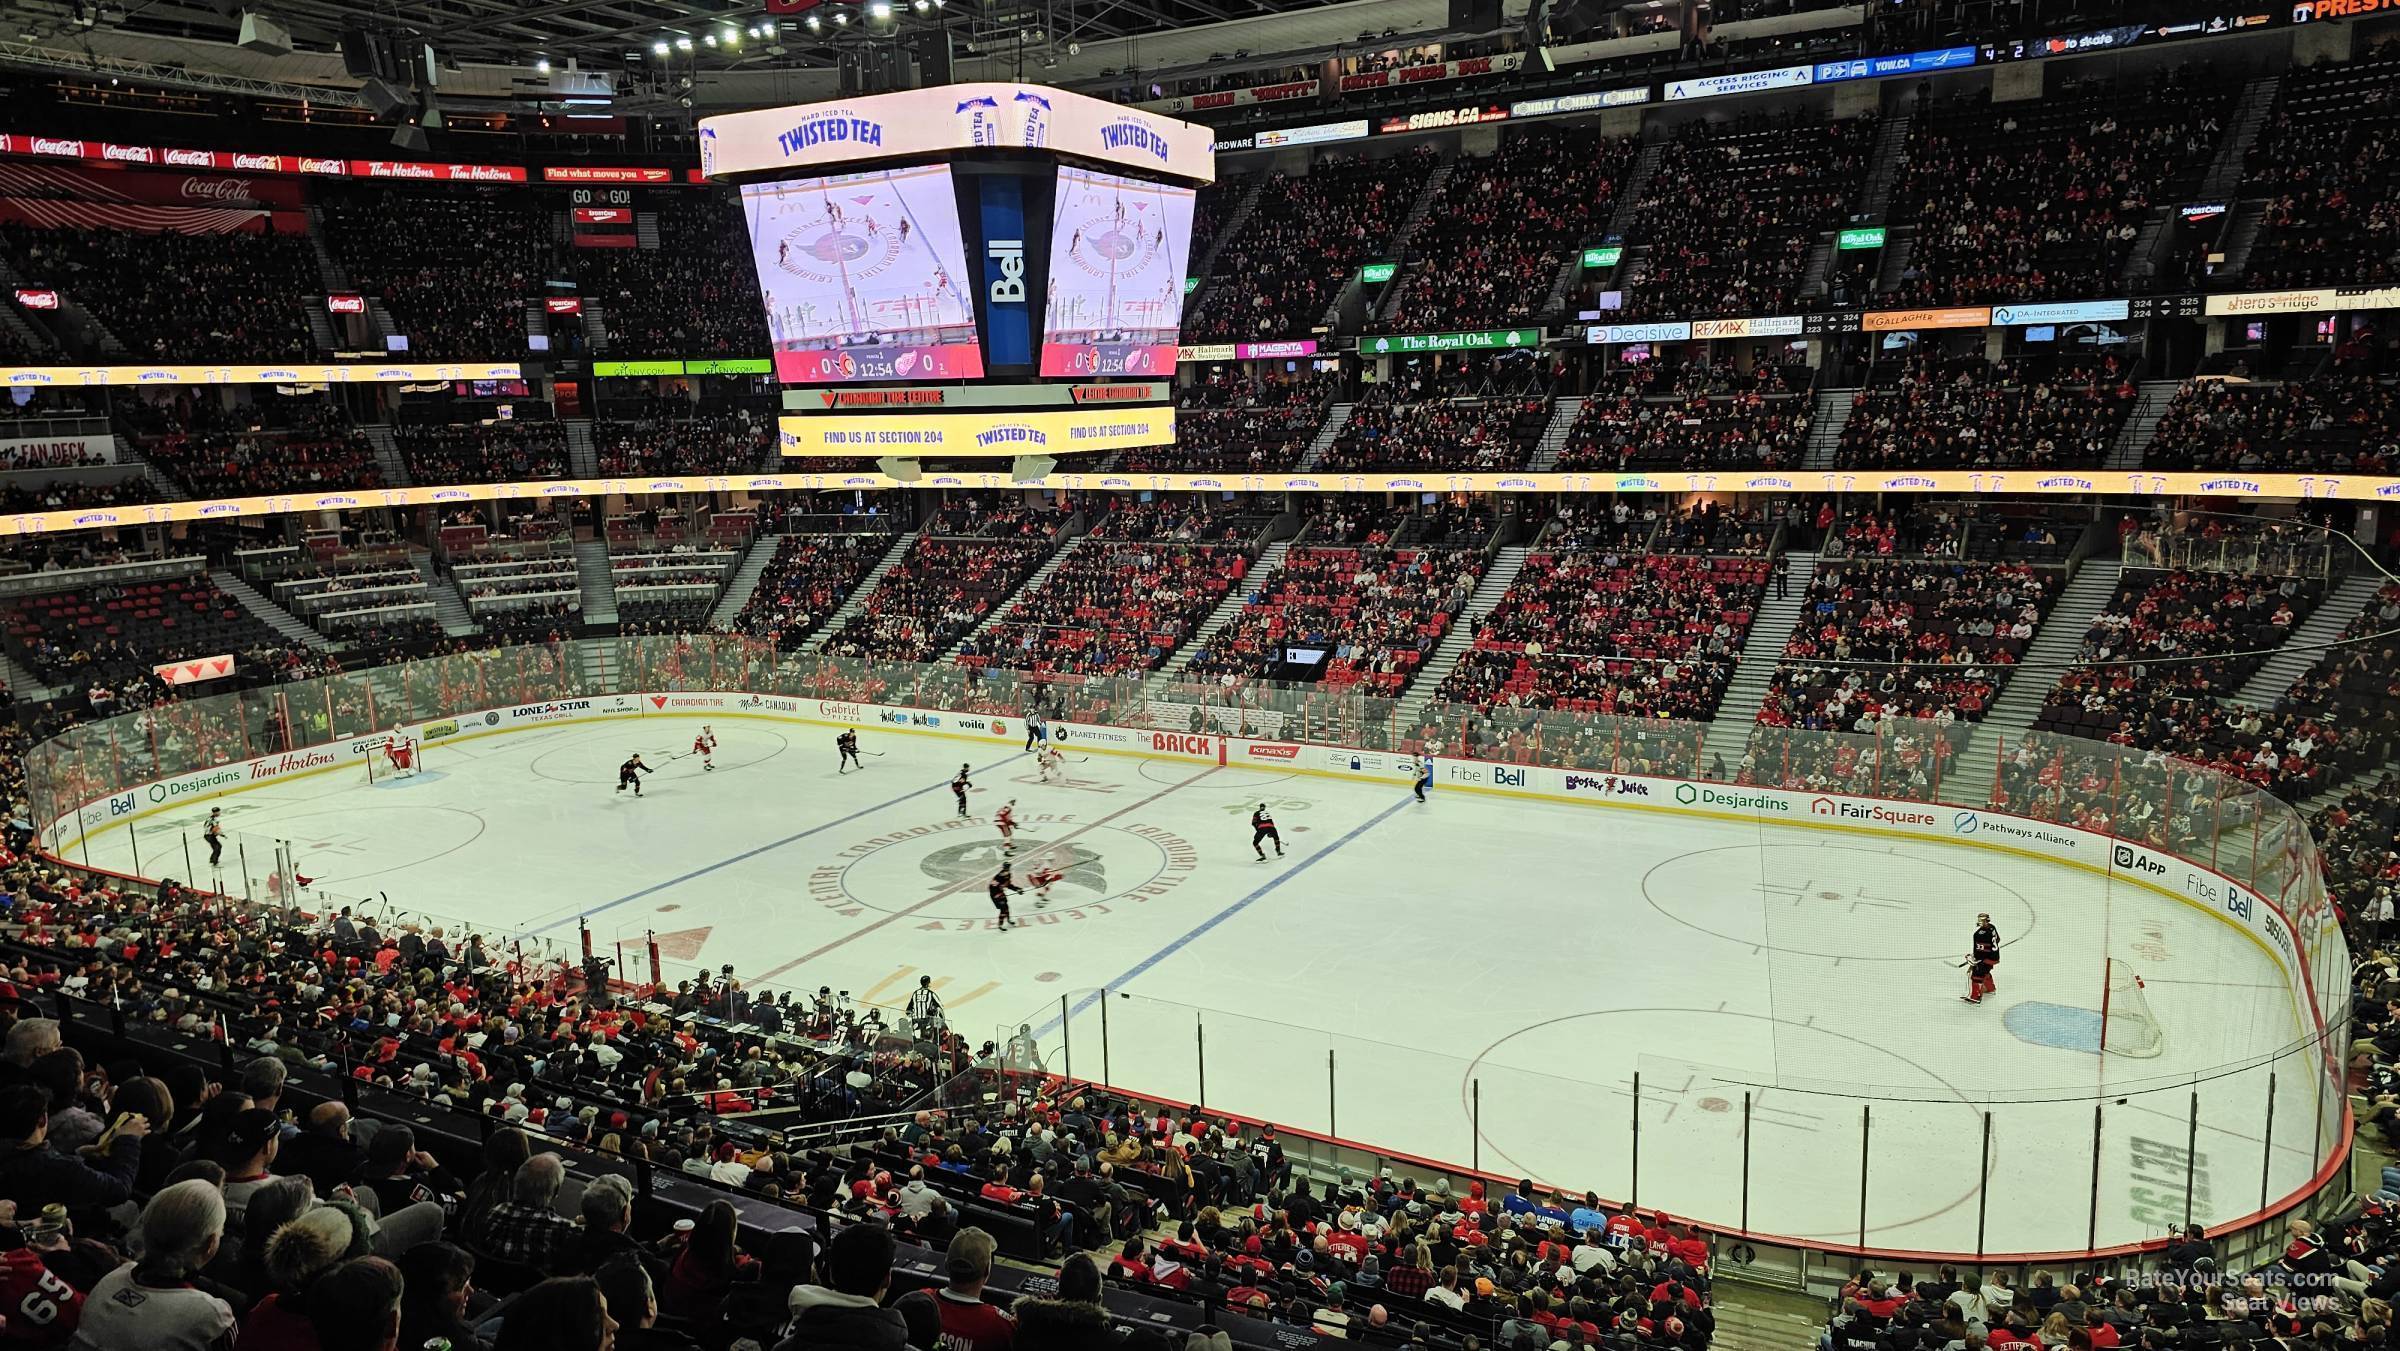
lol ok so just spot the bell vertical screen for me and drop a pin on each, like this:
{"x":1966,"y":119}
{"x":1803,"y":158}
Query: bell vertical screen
{"x":864,"y":277}
{"x":1119,"y":248}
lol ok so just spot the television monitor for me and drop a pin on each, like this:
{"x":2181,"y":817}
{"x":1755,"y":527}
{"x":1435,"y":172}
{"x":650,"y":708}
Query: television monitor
{"x":864,"y":276}
{"x":1119,"y":248}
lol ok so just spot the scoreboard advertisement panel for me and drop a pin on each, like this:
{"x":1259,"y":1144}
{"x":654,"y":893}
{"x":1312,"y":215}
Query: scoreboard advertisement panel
{"x":1118,"y":252}
{"x":864,"y":277}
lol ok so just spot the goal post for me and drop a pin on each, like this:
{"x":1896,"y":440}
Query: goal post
{"x":2127,"y":1026}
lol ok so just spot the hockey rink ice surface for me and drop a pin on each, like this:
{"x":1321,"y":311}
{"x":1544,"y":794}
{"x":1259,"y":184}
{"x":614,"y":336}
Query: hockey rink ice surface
{"x":1525,"y":957}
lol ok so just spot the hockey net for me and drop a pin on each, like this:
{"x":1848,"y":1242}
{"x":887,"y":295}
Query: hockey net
{"x":2127,"y":1026}
{"x":395,"y":757}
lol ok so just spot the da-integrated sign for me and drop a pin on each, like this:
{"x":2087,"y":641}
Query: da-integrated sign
{"x":1066,"y":431}
{"x":1606,"y":255}
{"x":1375,"y":274}
{"x":1488,"y":340}
{"x":2061,"y":312}
{"x":1860,"y":237}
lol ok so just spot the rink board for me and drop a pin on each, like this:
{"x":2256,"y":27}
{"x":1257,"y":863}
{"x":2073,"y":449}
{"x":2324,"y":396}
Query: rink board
{"x":2248,"y":912}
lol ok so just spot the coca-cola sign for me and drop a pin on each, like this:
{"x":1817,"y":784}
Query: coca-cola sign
{"x":43,"y":299}
{"x":189,"y":159}
{"x":45,"y":145}
{"x":226,"y":190}
{"x":340,"y":304}
{"x":127,"y":154}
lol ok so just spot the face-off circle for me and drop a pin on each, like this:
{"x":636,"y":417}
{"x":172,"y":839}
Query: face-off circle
{"x":951,"y":864}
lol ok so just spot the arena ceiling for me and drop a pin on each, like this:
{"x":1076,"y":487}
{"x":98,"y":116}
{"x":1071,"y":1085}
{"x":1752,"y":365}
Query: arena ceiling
{"x":1055,"y":41}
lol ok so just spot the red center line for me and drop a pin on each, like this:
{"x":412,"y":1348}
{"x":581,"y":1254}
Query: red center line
{"x":956,"y":887}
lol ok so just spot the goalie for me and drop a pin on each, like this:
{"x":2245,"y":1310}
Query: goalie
{"x":1983,"y":954}
{"x":401,"y":753}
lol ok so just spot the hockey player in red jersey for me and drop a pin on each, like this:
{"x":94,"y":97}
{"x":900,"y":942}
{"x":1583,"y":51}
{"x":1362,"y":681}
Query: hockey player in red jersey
{"x":1006,"y":820}
{"x":705,"y":746}
{"x":1043,"y":876}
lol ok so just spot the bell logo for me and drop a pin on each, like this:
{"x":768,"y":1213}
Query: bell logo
{"x":1009,"y":255}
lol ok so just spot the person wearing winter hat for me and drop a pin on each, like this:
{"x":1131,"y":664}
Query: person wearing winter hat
{"x":1071,"y":1321}
{"x":1331,"y":1319}
{"x":924,"y":1319}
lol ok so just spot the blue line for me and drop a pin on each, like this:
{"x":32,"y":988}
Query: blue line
{"x":1229,"y":912}
{"x":754,"y":853}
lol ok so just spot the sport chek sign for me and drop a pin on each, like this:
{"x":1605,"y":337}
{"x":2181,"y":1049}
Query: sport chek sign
{"x":193,"y":672}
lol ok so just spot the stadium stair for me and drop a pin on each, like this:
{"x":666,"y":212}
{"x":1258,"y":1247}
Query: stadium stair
{"x":1270,"y":561}
{"x":388,"y":458}
{"x":1387,"y":306}
{"x":1207,"y":264}
{"x":2055,"y":646}
{"x":2249,"y":217}
{"x":1563,"y":412}
{"x":1629,"y":194}
{"x":268,"y":612}
{"x":595,"y":326}
{"x":1754,"y":1317}
{"x":1825,"y":427}
{"x":22,"y":686}
{"x":599,"y":586}
{"x":852,"y":603}
{"x":1497,"y":578}
{"x":1070,"y":538}
{"x":334,"y":277}
{"x":449,"y":607}
{"x":70,"y":317}
{"x":1898,"y":246}
{"x":168,"y":489}
{"x":2225,"y":172}
{"x":379,"y":317}
{"x":745,"y":581}
{"x":1754,"y":670}
{"x":2307,"y":642}
{"x":537,"y":321}
{"x":583,"y":457}
{"x":14,"y":325}
{"x":320,"y":328}
{"x":1336,"y":418}
{"x":2133,"y":439}
{"x":645,"y":230}
{"x":1891,"y":156}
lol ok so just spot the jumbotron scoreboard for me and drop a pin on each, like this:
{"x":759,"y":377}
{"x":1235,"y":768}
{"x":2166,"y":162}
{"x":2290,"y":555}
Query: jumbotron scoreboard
{"x":970,"y":271}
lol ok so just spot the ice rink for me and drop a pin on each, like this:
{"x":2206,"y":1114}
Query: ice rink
{"x":1408,"y":969}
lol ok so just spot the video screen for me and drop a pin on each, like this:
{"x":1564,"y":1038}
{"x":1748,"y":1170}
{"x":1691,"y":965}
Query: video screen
{"x":1119,"y":248}
{"x":864,"y":277}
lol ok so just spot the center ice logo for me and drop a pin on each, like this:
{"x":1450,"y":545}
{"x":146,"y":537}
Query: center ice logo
{"x":976,"y":860}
